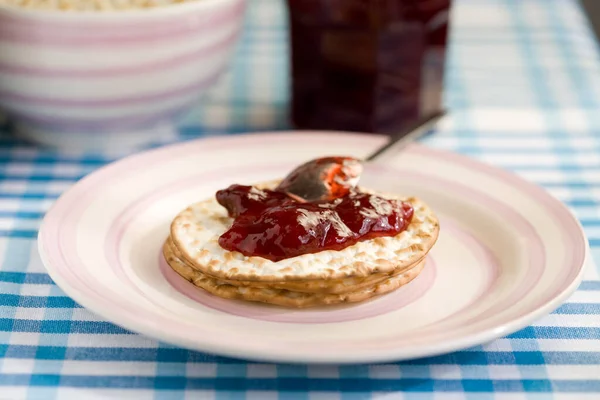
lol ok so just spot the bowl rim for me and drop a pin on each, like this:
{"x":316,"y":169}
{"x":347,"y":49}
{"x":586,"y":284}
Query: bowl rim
{"x":112,"y":15}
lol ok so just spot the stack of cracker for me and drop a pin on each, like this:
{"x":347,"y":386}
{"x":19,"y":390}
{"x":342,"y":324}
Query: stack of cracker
{"x":356,"y":273}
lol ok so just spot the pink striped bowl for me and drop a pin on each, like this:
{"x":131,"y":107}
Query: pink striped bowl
{"x":111,"y":79}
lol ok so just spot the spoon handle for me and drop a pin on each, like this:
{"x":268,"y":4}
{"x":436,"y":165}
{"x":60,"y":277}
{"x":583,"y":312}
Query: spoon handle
{"x":409,"y":134}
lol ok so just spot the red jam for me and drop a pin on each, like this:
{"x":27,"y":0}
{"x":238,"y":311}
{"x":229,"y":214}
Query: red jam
{"x":271,"y":225}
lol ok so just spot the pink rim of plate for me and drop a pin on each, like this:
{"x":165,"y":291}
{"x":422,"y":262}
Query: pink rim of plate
{"x":58,"y":255}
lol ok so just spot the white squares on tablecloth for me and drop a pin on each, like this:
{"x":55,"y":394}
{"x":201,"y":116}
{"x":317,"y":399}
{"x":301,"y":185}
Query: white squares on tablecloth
{"x":519,"y":121}
{"x":32,"y":314}
{"x":569,"y":320}
{"x":20,"y":223}
{"x":567,"y":194}
{"x":24,"y":339}
{"x":110,"y":340}
{"x":534,"y":13}
{"x":590,"y":176}
{"x":83,"y":314}
{"x":326,"y":396}
{"x":13,"y":186}
{"x":443,"y":142}
{"x":574,"y":16}
{"x":260,"y":395}
{"x":593,"y":232}
{"x":21,"y":168}
{"x":268,"y":13}
{"x":575,"y":372}
{"x":35,"y":290}
{"x":583,"y":143}
{"x":473,"y":14}
{"x":35,"y":264}
{"x":497,"y":345}
{"x":482,"y":56}
{"x":518,"y":161}
{"x":68,"y":170}
{"x":9,"y":224}
{"x":16,"y":366}
{"x":506,"y":143}
{"x":15,"y":393}
{"x":553,"y":345}
{"x":498,"y":372}
{"x":492,"y":98}
{"x":443,"y":395}
{"x":591,"y":271}
{"x":201,"y":370}
{"x":585,"y":296}
{"x":576,"y":121}
{"x":34,"y":205}
{"x":103,"y":394}
{"x":261,"y":89}
{"x":521,"y":396}
{"x":100,"y":368}
{"x":54,"y":188}
{"x":12,"y":205}
{"x":588,"y":212}
{"x":401,"y":396}
{"x":199,"y":394}
{"x":446,"y":371}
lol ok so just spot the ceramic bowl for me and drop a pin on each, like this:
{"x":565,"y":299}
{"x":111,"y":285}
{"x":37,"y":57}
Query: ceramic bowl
{"x":111,"y":79}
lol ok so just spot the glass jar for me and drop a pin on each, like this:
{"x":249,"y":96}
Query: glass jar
{"x":366,"y":65}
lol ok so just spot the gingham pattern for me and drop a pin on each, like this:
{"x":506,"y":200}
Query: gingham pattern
{"x":524,"y":87}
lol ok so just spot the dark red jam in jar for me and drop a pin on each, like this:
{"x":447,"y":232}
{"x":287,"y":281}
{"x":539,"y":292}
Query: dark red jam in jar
{"x":366,"y":65}
{"x":271,"y":225}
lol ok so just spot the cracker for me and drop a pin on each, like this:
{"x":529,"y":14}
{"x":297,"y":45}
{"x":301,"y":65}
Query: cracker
{"x":286,"y":298}
{"x":335,"y":286}
{"x":196,"y":230}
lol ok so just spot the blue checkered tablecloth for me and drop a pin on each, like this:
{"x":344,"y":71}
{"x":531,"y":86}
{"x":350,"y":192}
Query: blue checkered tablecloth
{"x":523,"y":84}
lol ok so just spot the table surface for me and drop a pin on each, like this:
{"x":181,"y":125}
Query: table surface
{"x":523,"y":84}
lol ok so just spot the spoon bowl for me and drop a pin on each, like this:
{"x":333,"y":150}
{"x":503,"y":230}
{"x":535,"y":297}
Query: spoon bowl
{"x":329,"y":178}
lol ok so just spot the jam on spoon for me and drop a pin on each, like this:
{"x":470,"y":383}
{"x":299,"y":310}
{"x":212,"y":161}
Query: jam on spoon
{"x":272,"y":225}
{"x":326,"y":178}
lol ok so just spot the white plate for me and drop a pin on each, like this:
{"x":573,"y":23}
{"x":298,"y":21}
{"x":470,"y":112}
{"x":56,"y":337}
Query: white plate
{"x":507,"y":253}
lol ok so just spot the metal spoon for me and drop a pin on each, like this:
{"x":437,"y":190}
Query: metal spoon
{"x":328,"y":178}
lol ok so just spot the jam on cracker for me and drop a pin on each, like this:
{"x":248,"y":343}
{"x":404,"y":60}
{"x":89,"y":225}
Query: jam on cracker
{"x":275,"y":226}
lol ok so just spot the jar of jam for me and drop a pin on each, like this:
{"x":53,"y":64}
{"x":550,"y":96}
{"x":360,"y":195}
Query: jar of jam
{"x":366,"y":65}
